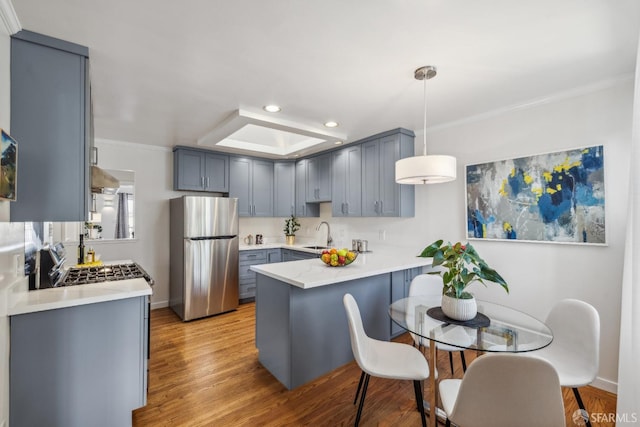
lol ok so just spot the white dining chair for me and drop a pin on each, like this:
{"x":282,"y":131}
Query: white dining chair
{"x":575,"y":349}
{"x":383,"y":359}
{"x":431,"y":285}
{"x":504,"y":390}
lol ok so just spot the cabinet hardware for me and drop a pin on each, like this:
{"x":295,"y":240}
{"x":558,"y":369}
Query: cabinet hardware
{"x":207,"y":185}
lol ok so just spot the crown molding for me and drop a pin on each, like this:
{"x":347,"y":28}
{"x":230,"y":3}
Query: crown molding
{"x":126,"y":144}
{"x":560,"y":96}
{"x":9,"y":17}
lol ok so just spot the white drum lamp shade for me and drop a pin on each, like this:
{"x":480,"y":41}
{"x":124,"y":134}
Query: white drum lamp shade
{"x":434,"y":169}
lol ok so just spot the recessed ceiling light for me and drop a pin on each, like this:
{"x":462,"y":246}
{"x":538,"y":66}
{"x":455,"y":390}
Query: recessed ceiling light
{"x":338,"y":142}
{"x":331,"y":124}
{"x":272,"y":108}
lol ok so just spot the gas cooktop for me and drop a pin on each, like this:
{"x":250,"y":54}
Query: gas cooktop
{"x":104,"y":273}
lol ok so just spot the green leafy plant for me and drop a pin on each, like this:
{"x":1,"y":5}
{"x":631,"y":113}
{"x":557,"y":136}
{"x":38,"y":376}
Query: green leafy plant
{"x":462,"y":266}
{"x":291,"y":225}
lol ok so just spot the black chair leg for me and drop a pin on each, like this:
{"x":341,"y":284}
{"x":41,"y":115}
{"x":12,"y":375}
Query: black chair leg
{"x":464,"y":362}
{"x":447,"y":423}
{"x":417,"y":386}
{"x":359,"y":386}
{"x":581,"y":406}
{"x":451,"y":361}
{"x":364,"y":393}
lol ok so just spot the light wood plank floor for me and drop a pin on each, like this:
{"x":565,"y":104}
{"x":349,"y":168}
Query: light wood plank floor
{"x":206,"y":373}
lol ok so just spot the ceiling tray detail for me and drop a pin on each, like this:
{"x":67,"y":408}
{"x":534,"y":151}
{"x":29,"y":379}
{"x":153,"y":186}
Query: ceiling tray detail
{"x":248,"y":130}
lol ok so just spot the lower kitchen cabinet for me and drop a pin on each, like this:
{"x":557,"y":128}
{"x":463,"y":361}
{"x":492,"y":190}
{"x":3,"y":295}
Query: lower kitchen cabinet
{"x":79,"y":366}
{"x":247,"y":277}
{"x":293,"y":255}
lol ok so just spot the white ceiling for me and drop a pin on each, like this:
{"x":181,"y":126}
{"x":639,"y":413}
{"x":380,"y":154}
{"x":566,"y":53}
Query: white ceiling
{"x":167,"y":72}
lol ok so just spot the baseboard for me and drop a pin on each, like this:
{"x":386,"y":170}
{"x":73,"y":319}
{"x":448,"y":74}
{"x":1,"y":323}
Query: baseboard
{"x":159,"y":304}
{"x":606,"y":385}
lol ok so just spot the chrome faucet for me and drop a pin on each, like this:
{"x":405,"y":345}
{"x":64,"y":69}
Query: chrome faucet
{"x":329,"y":238}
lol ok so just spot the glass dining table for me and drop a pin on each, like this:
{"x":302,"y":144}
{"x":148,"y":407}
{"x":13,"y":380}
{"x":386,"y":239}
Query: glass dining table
{"x":496,"y":328}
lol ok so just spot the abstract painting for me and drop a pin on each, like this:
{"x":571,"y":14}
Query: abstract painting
{"x":8,"y":166}
{"x":554,"y":197}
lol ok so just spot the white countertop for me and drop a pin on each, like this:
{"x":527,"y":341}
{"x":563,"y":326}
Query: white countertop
{"x":312,"y":273}
{"x":22,"y":301}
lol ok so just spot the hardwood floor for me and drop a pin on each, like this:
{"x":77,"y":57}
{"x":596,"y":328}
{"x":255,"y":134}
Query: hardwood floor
{"x":206,"y":373}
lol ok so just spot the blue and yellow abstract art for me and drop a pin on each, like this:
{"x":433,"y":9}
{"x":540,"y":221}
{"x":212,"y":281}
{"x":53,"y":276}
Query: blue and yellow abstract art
{"x":555,"y":197}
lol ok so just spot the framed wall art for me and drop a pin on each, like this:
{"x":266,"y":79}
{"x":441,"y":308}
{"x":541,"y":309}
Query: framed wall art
{"x":8,"y":166}
{"x":555,"y":197}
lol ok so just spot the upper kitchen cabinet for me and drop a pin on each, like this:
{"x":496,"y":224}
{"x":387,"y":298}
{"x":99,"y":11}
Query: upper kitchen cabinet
{"x":319,"y":178}
{"x":50,"y":119}
{"x":381,"y":196}
{"x":200,"y":170}
{"x":251,"y":181}
{"x":284,"y":188}
{"x":304,"y":209}
{"x":346,"y":183}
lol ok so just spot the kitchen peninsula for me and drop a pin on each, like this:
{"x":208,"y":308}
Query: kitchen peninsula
{"x":301,"y":325}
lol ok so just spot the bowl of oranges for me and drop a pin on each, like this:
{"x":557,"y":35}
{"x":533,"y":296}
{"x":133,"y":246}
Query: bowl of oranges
{"x":338,"y":257}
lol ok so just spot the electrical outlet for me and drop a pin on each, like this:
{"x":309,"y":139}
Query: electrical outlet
{"x":382,"y":235}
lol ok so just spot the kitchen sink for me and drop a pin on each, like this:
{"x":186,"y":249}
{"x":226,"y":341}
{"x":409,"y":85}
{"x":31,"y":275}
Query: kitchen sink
{"x":316,"y":247}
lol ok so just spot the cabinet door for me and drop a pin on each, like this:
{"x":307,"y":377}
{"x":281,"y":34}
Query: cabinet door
{"x":319,"y":179}
{"x":274,"y":255}
{"x":304,"y":209}
{"x":188,"y":170}
{"x":346,"y":188}
{"x":284,"y":188}
{"x":370,"y":178}
{"x":262,"y":187}
{"x":49,"y":119}
{"x":240,"y":184}
{"x":216,"y":176}
{"x":389,"y":196}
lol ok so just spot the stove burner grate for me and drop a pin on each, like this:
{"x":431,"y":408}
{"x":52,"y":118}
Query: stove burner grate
{"x":104,"y":273}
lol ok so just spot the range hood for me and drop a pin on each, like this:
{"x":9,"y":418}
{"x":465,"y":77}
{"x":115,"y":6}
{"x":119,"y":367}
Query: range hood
{"x":103,"y":182}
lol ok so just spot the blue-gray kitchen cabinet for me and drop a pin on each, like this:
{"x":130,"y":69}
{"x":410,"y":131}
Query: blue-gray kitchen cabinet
{"x":200,"y":170}
{"x":284,"y":177}
{"x":79,"y":366}
{"x":304,"y":209}
{"x":381,"y":195}
{"x":251,"y":181}
{"x":319,"y":178}
{"x":50,"y":120}
{"x":346,"y":182}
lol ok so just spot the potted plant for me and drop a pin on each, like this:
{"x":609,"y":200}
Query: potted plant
{"x":291,"y":225}
{"x":461,"y":267}
{"x":93,"y":230}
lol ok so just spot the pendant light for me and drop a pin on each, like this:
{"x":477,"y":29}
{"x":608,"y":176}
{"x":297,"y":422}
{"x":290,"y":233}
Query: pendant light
{"x":433,"y":169}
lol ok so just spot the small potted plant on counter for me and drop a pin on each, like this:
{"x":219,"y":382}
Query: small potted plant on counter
{"x":462,"y":266}
{"x":291,"y":225}
{"x":92,"y":230}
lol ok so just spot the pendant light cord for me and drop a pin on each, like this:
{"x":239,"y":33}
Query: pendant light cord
{"x":425,"y":118}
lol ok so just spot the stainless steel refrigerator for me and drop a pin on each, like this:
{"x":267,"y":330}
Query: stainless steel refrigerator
{"x":204,"y":256}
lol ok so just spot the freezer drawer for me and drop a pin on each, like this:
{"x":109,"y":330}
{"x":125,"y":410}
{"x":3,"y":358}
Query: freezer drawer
{"x":211,"y":277}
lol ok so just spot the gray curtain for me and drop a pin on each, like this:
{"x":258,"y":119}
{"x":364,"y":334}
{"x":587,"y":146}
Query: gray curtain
{"x":122,"y":217}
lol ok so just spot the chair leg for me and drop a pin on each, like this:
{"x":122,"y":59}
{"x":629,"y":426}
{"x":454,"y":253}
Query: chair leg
{"x":359,"y":386}
{"x":447,"y":423}
{"x":464,"y":362}
{"x":581,"y":405}
{"x":364,"y":393}
{"x":417,"y":386}
{"x":451,"y":361}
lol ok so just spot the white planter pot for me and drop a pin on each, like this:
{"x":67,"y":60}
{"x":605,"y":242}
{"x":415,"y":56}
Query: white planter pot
{"x":459,"y":309}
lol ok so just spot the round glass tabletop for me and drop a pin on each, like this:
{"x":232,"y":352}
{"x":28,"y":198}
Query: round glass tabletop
{"x":506,"y":330}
